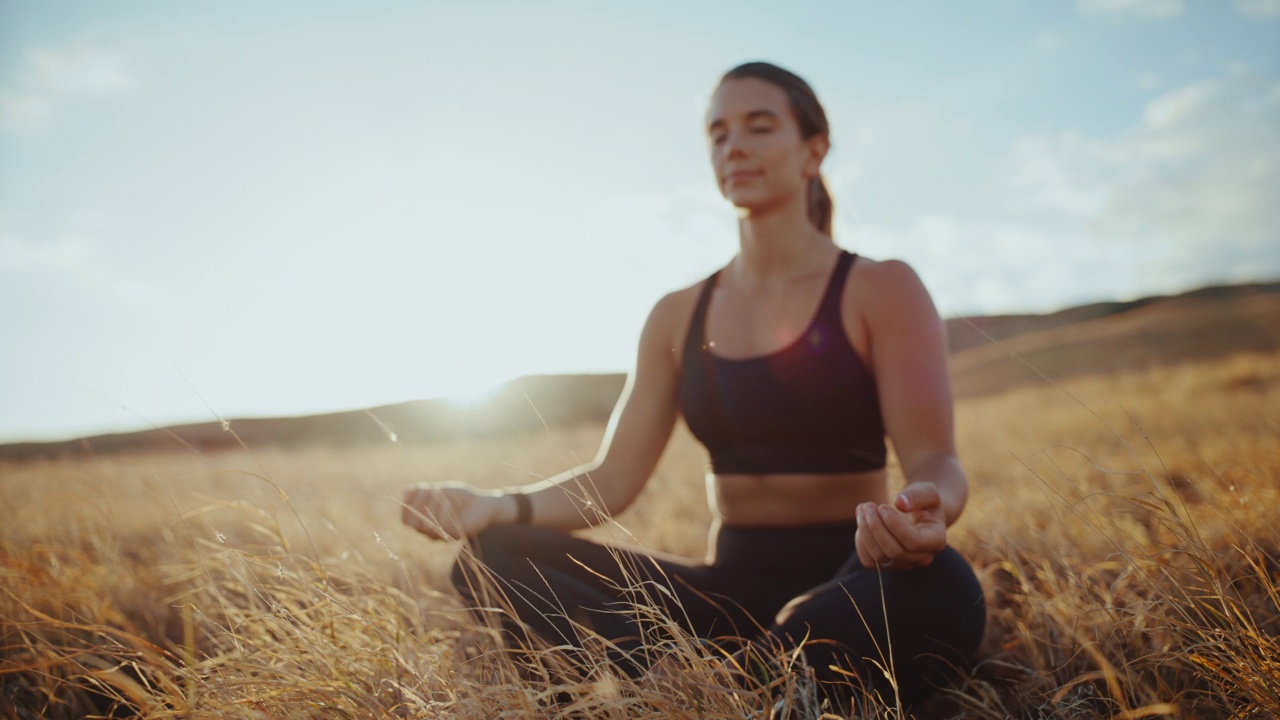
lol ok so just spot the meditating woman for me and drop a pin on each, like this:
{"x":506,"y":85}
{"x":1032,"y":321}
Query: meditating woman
{"x":791,"y":364}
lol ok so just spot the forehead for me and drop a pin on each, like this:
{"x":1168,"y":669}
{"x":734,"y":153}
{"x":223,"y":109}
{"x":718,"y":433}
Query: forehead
{"x":738,"y":97}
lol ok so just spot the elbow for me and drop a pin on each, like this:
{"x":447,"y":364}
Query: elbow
{"x":611,"y":490}
{"x":625,"y":491}
{"x":622,"y":470}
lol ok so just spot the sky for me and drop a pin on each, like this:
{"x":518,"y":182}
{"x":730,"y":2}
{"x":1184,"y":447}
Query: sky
{"x":257,"y":209}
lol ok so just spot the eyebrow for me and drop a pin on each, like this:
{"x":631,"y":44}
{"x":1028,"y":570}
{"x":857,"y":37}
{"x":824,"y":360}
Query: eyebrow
{"x":718,"y":123}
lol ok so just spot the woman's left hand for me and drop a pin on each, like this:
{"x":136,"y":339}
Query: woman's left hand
{"x":906,"y":534}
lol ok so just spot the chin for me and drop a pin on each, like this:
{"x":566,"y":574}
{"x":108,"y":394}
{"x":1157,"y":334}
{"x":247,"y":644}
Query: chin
{"x":750,"y":205}
{"x":746,"y":199}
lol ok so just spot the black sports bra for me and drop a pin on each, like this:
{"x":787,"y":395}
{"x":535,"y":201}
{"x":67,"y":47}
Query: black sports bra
{"x":811,"y":407}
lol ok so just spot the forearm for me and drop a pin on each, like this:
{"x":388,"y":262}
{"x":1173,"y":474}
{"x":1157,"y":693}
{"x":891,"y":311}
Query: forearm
{"x":946,"y":473}
{"x":584,"y":496}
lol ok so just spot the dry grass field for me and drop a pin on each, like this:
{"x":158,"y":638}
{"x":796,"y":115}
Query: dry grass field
{"x":1126,"y":527}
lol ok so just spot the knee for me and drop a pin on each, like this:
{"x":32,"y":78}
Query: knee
{"x":500,"y":550}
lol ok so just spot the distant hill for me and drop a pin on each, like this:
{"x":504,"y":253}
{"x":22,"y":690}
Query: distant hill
{"x":522,"y":405}
{"x":1108,"y":337}
{"x":988,"y":355}
{"x":969,"y":332}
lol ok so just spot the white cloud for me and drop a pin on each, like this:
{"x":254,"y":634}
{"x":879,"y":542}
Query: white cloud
{"x":976,"y":266}
{"x":1258,"y":8}
{"x":1175,"y":107}
{"x":1192,"y":186}
{"x":1062,"y":172}
{"x":81,"y":69}
{"x":22,"y":255}
{"x":1139,"y":8}
{"x":22,"y":111}
{"x":50,"y":75}
{"x":1184,"y":198}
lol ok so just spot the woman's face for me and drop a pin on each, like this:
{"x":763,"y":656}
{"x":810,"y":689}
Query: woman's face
{"x":759,"y":158}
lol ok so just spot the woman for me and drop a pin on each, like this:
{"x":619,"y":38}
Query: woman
{"x":808,"y":550}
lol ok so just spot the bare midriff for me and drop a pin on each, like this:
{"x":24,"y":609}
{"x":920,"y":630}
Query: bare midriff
{"x":790,"y":500}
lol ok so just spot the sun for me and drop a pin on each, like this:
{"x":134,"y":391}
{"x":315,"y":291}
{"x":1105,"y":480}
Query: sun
{"x":471,"y":398}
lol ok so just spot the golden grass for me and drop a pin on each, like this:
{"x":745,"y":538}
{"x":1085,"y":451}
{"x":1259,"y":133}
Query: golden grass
{"x":1125,"y":527}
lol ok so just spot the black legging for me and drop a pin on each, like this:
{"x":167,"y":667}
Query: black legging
{"x":762,"y":589}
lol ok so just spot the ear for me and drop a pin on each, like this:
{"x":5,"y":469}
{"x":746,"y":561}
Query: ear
{"x":817,"y":147}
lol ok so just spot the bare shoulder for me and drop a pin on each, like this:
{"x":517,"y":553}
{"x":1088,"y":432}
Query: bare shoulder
{"x":680,"y":300}
{"x":886,"y":276}
{"x":674,"y":309}
{"x":669,"y":319}
{"x":890,"y":290}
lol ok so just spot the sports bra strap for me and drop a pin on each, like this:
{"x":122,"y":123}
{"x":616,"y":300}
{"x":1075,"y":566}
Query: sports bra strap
{"x":697,"y":335}
{"x":830,"y":307}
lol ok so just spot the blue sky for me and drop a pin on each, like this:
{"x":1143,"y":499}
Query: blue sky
{"x":284,"y":208}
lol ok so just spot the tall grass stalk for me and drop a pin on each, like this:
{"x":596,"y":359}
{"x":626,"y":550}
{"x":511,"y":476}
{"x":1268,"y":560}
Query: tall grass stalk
{"x":1128,"y":544}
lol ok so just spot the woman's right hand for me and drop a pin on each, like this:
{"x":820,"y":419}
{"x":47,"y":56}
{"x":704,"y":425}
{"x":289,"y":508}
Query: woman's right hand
{"x":451,"y":510}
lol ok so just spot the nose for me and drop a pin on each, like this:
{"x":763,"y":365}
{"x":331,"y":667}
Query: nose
{"x":733,"y":144}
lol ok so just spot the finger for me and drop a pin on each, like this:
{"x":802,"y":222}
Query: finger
{"x":435,"y":515}
{"x":860,"y":542}
{"x":867,"y":555}
{"x":446,"y":516}
{"x":883,"y":537}
{"x":424,"y":514}
{"x":408,"y":505}
{"x":918,"y":496}
{"x":414,"y":493}
{"x":443,"y":512}
{"x":920,"y":542}
{"x":868,"y":521}
{"x":412,"y":516}
{"x":917,"y":560}
{"x":864,"y":554}
{"x":904,"y":532}
{"x":924,"y":535}
{"x":426,"y":525}
{"x":421,"y":508}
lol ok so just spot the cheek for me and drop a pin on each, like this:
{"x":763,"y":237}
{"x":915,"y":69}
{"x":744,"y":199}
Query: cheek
{"x":777,"y":153}
{"x":784,"y":167}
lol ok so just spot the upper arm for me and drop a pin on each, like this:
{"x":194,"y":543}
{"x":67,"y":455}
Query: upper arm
{"x":647,"y":410}
{"x":909,"y":354}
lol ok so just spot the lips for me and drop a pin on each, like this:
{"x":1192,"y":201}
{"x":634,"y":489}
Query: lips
{"x":738,"y":176}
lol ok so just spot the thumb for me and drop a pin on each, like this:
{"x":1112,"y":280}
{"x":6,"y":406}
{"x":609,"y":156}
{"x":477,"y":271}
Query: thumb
{"x":918,"y":496}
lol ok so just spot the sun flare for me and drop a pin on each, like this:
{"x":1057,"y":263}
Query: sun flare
{"x":472,"y":399}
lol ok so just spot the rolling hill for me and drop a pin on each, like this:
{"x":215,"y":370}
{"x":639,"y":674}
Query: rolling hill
{"x":989,"y":355}
{"x":994,"y":354}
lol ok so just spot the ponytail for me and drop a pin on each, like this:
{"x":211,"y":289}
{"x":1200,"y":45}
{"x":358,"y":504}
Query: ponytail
{"x":820,"y":205}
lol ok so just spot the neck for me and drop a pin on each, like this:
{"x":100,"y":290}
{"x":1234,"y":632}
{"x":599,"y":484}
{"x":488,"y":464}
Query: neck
{"x":778,"y":245}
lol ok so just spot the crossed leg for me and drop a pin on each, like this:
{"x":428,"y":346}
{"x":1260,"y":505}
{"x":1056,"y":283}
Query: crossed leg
{"x":919,"y":624}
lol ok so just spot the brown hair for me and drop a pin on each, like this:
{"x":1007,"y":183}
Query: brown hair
{"x":811,"y":118}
